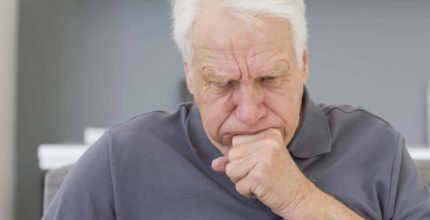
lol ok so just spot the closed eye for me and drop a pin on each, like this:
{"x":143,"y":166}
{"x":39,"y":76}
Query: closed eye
{"x":272,"y":81}
{"x":221,"y":84}
{"x":268,"y":78}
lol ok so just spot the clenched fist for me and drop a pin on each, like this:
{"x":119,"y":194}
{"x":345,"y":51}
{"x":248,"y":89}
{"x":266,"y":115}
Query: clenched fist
{"x":261,"y":166}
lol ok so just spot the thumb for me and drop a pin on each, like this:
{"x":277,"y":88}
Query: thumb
{"x":218,"y":164}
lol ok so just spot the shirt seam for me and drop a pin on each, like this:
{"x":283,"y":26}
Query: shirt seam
{"x":358,"y":109}
{"x":142,"y":115}
{"x":109,"y":139}
{"x":393,"y":167}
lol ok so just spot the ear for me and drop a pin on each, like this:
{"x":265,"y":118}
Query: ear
{"x":305,"y":67}
{"x":188,"y":77}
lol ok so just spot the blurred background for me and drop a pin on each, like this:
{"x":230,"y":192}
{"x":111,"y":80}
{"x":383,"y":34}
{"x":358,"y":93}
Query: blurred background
{"x":70,"y":64}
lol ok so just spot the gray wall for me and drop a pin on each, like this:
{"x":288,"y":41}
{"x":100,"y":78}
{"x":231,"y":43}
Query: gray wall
{"x":87,"y":63}
{"x":98,"y":62}
{"x":373,"y":54}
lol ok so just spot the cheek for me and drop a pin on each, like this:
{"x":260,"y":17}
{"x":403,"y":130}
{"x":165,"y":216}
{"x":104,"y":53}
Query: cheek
{"x":282,"y":107}
{"x":286,"y":107}
{"x":214,"y":111}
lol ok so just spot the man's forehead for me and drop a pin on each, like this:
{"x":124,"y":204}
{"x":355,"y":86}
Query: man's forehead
{"x":256,"y":57}
{"x":210,"y":51}
{"x":225,"y":40}
{"x":255,"y":69}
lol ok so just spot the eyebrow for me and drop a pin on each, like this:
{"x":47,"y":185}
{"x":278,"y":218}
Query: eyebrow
{"x":212,"y":72}
{"x":279,"y":66}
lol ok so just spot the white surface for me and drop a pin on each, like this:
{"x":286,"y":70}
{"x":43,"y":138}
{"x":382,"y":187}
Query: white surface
{"x":428,"y":113}
{"x":419,"y":153}
{"x":57,"y":155}
{"x":92,"y":134}
{"x":8,"y":15}
{"x":53,"y":156}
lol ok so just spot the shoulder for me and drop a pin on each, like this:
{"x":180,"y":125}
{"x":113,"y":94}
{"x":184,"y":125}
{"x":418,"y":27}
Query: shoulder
{"x":365,"y":137}
{"x":352,"y":114}
{"x":370,"y":155}
{"x":152,"y":120}
{"x":349,"y":121}
{"x":148,"y":136}
{"x":150,"y":126}
{"x":134,"y":137}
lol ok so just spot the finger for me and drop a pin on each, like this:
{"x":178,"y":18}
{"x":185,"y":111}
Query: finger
{"x":244,"y":187}
{"x":243,"y":150}
{"x":243,"y":139}
{"x":247,"y":149}
{"x":219,"y":164}
{"x":268,"y":133}
{"x":239,"y":169}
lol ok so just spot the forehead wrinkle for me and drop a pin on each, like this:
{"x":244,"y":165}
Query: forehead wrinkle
{"x":226,"y":57}
{"x":236,"y":54}
{"x":268,"y":46}
{"x":263,"y":61}
{"x":208,"y":56}
{"x":237,"y":63}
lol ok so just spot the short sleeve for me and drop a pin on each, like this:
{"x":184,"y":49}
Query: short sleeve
{"x":409,"y":196}
{"x":87,"y":191}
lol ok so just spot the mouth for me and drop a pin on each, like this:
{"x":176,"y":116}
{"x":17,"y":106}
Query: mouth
{"x":228,"y":136}
{"x":235,"y":133}
{"x":231,"y":135}
{"x":240,"y":133}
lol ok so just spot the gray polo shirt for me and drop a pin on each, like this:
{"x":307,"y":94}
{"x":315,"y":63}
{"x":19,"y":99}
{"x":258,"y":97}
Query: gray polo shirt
{"x":157,"y":166}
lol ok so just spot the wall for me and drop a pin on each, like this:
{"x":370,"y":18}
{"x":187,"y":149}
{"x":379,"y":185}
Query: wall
{"x":96,"y":63}
{"x":87,"y":63}
{"x":8,"y":14}
{"x":373,"y":54}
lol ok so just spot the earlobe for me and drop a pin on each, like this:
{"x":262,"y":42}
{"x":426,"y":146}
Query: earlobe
{"x":305,"y":68}
{"x":188,"y":77}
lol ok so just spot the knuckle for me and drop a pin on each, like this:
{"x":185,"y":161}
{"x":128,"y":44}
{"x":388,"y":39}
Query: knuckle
{"x":243,"y":188}
{"x":229,"y":169}
{"x":269,"y":142}
{"x":271,"y":145}
{"x":265,"y":161}
{"x":239,"y":187}
{"x":231,"y":172}
{"x":232,"y":154}
{"x":257,"y":176}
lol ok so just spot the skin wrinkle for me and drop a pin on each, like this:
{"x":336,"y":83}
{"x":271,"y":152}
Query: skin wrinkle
{"x":271,"y":68}
{"x":245,"y":65}
{"x":236,"y":57}
{"x":252,"y":53}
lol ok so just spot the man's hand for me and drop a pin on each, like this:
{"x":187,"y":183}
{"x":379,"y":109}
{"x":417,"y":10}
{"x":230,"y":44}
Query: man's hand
{"x":261,"y":166}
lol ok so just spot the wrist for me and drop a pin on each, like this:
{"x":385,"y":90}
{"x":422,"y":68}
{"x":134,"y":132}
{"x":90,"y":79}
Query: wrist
{"x":315,"y":204}
{"x":300,"y":203}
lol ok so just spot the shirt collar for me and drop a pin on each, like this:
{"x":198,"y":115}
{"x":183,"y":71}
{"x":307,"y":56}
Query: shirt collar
{"x":198,"y":139}
{"x":312,"y":137}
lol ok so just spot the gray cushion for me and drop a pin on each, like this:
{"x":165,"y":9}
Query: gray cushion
{"x":424,"y":169}
{"x":53,"y":180}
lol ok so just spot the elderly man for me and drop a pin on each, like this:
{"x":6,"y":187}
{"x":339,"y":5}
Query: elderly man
{"x":254,"y":145}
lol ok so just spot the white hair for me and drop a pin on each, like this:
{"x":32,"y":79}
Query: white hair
{"x":184,"y":13}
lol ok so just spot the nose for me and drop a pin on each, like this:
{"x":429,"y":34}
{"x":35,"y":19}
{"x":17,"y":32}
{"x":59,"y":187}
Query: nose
{"x":249,"y":104}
